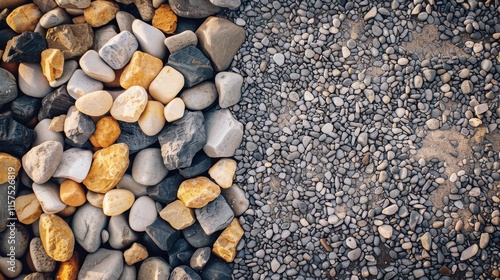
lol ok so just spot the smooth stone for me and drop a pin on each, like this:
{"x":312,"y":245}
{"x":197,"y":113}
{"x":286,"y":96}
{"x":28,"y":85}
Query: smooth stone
{"x":73,"y":4}
{"x":55,"y":103}
{"x":200,"y":258}
{"x":148,"y":168}
{"x":166,"y":190}
{"x":229,"y":4}
{"x":228,"y":86}
{"x":52,"y":62}
{"x":481,"y":109}
{"x":354,"y":254}
{"x":200,"y":164}
{"x":80,"y":84}
{"x":178,"y":215}
{"x":225,"y":245}
{"x":154,"y":268}
{"x":385,"y":231}
{"x":69,"y":69}
{"x":224,"y":133}
{"x":41,"y":161}
{"x":11,"y":164}
{"x":8,"y":87}
{"x":120,"y":233}
{"x":117,"y":201}
{"x":180,"y":253}
{"x":24,"y":108}
{"x":95,"y":199}
{"x":54,"y":17}
{"x":150,"y":38}
{"x":95,"y":104}
{"x":17,"y":267}
{"x":107,"y":131}
{"x":372,"y":13}
{"x":193,"y":8}
{"x":469,"y":252}
{"x":162,"y":234}
{"x":179,"y":41}
{"x":165,"y":19}
{"x":390,"y":210}
{"x":16,"y":236}
{"x":145,"y":8}
{"x":196,"y":237}
{"x":69,"y":269}
{"x":174,"y":110}
{"x":24,"y":18}
{"x":75,"y":164}
{"x":215,"y":216}
{"x":141,"y":71}
{"x":108,"y":166}
{"x":166,"y":85}
{"x":475,"y":122}
{"x":192,"y":64}
{"x":132,"y":135}
{"x":11,"y":4}
{"x":466,"y":87}
{"x":27,"y":208}
{"x":236,"y":199}
{"x":43,"y":133}
{"x":484,"y":240}
{"x":432,"y":124}
{"x":142,"y":214}
{"x":15,"y":138}
{"x":185,"y":273}
{"x":216,"y":269}
{"x":92,"y":64}
{"x":78,"y":127}
{"x":31,"y":80}
{"x":118,"y":51}
{"x":97,"y":265}
{"x":135,"y":254}
{"x":198,"y":192}
{"x":223,"y":172}
{"x":72,"y":39}
{"x":220,"y":40}
{"x":26,"y":47}
{"x":124,"y":21}
{"x":88,"y":223}
{"x":128,"y":183}
{"x":181,"y":140}
{"x":486,"y":65}
{"x":100,"y":13}
{"x":426,"y":241}
{"x":129,"y":105}
{"x":200,"y":96}
{"x":72,"y":193}
{"x":102,"y":35}
{"x":41,"y":261}
{"x":57,"y":238}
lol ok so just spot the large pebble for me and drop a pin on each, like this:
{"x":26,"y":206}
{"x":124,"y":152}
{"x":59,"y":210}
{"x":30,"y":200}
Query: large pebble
{"x":69,"y":68}
{"x":75,"y":164}
{"x":174,"y":110}
{"x":192,"y":64}
{"x":214,"y":216}
{"x":93,"y":65}
{"x":73,"y":4}
{"x":162,"y":234}
{"x":142,"y":214}
{"x":107,"y":131}
{"x":150,"y":38}
{"x":200,"y":96}
{"x":69,"y":269}
{"x":117,"y":201}
{"x":228,"y":86}
{"x":166,"y":85}
{"x":41,"y":161}
{"x":24,"y":18}
{"x":95,"y":104}
{"x":54,"y":18}
{"x":141,"y":71}
{"x":28,"y":208}
{"x":179,"y":41}
{"x":8,"y":87}
{"x":72,"y":193}
{"x":385,"y":231}
{"x":236,"y":198}
{"x":184,"y":272}
{"x":135,"y":254}
{"x":78,"y":127}
{"x":52,"y":62}
{"x":148,"y":168}
{"x":120,"y":233}
{"x":41,"y":261}
{"x":57,"y":238}
{"x":88,"y":223}
{"x":129,"y":105}
{"x":225,"y":245}
{"x":100,"y":13}
{"x":224,"y":133}
{"x":152,"y":119}
{"x":104,"y":264}
{"x":118,"y":51}
{"x":108,"y":167}
{"x":15,"y":240}
{"x":80,"y":84}
{"x":44,"y":133}
{"x":198,"y":192}
{"x":469,"y":252}
{"x":26,"y":47}
{"x":165,"y":19}
{"x":32,"y":82}
{"x":128,"y":183}
{"x":178,"y":215}
{"x":72,"y":39}
{"x":223,"y":172}
{"x":154,"y":268}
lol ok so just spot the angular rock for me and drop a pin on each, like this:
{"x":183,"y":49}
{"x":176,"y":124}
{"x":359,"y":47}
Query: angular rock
{"x":135,"y":254}
{"x":57,"y":238}
{"x":52,"y":61}
{"x":41,"y":161}
{"x":179,"y":41}
{"x":181,"y":140}
{"x":220,"y":40}
{"x":228,"y":86}
{"x":8,"y":87}
{"x":165,"y":19}
{"x":70,"y":66}
{"x":225,"y":245}
{"x":72,"y":39}
{"x":96,"y":68}
{"x":200,"y":164}
{"x":216,"y":215}
{"x":11,"y":166}
{"x":197,"y":238}
{"x":69,"y":269}
{"x":216,"y":269}
{"x":95,"y":104}
{"x":167,"y":84}
{"x":141,"y":71}
{"x":41,"y":261}
{"x":193,"y":8}
{"x":124,"y":21}
{"x":162,"y":234}
{"x":72,"y":193}
{"x":120,"y":233}
{"x":148,"y":168}
{"x":132,"y":135}
{"x":229,"y":4}
{"x":24,"y":18}
{"x":166,"y":190}
{"x":236,"y":199}
{"x":54,"y":17}
{"x":31,"y":80}
{"x":100,"y":13}
{"x":47,"y":195}
{"x":185,"y":273}
{"x":55,"y":103}
{"x":150,"y":38}
{"x":107,"y":131}
{"x":129,"y":105}
{"x":25,"y":108}
{"x":180,"y":253}
{"x":223,"y":172}
{"x":26,"y":47}
{"x":118,"y":51}
{"x":200,"y":258}
{"x":75,"y":165}
{"x":143,"y":214}
{"x":224,"y":133}
{"x":117,"y":201}
{"x":108,"y":167}
{"x":192,"y":64}
{"x":27,"y":208}
{"x":426,"y":241}
{"x":154,"y":268}
{"x":178,"y":215}
{"x":80,"y":84}
{"x":6,"y":35}
{"x":200,"y":96}
{"x":97,"y":265}
{"x":88,"y":223}
{"x":198,"y":192}
{"x":15,"y":138}
{"x":78,"y":127}
{"x":152,"y":119}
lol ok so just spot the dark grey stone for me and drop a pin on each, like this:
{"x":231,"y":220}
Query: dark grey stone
{"x":4,"y":207}
{"x":162,"y":234}
{"x":55,"y":103}
{"x":132,"y":135}
{"x":78,"y":127}
{"x":193,"y":8}
{"x":184,"y":273}
{"x":26,"y":47}
{"x":216,"y":215}
{"x":197,"y":237}
{"x":180,"y":253}
{"x":15,"y":138}
{"x":166,"y":190}
{"x":5,"y":36}
{"x":216,"y":269}
{"x":21,"y":237}
{"x":25,"y":108}
{"x":193,"y":65}
{"x":200,"y":164}
{"x":8,"y":87}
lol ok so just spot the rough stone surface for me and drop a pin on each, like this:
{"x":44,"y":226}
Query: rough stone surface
{"x":118,"y":51}
{"x":57,"y":237}
{"x":166,"y":190}
{"x":225,"y":245}
{"x":25,"y":108}
{"x":15,"y":138}
{"x":162,"y":234}
{"x":26,"y":47}
{"x":41,"y":261}
{"x":200,"y":164}
{"x":198,"y":192}
{"x":72,"y":39}
{"x":52,"y":61}
{"x":135,"y":254}
{"x":165,"y":19}
{"x":216,"y":215}
{"x":27,"y":208}
{"x":141,"y":71}
{"x":56,"y":103}
{"x":193,"y":8}
{"x":11,"y":164}
{"x":228,"y":86}
{"x":107,"y":131}
{"x":129,"y":105}
{"x":224,"y":133}
{"x":223,"y":172}
{"x":69,"y":269}
{"x":100,"y":13}
{"x":78,"y":127}
{"x":178,"y":215}
{"x":192,"y":64}
{"x":41,"y":161}
{"x":24,"y":18}
{"x":97,"y":265}
{"x":75,"y":164}
{"x":134,"y":137}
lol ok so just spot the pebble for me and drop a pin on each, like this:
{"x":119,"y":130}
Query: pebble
{"x":41,"y":261}
{"x":179,"y":41}
{"x":469,"y":252}
{"x":80,"y":84}
{"x":200,"y":96}
{"x":92,"y":64}
{"x":72,"y":193}
{"x":129,"y":105}
{"x":57,"y":238}
{"x":385,"y":231}
{"x":117,"y":201}
{"x":154,"y":267}
{"x":174,"y":110}
{"x":74,"y":165}
{"x":120,"y":233}
{"x":54,"y":18}
{"x":52,"y":62}
{"x":118,"y":51}
{"x":178,"y":215}
{"x":192,"y":64}
{"x":152,"y":119}
{"x":224,"y":134}
{"x":225,"y":245}
{"x":165,"y":19}
{"x":228,"y":86}
{"x":97,"y":264}
{"x":24,"y":18}
{"x":236,"y":199}
{"x":214,"y":216}
{"x":44,"y":133}
{"x":42,"y":161}
{"x":88,"y":223}
{"x":107,"y":131}
{"x":223,"y":172}
{"x":148,"y":168}
{"x":150,"y":39}
{"x":135,"y":254}
{"x":8,"y":87}
{"x":100,"y":13}
{"x":166,"y":85}
{"x":32,"y":82}
{"x":142,"y":214}
{"x":28,"y":208}
{"x":198,"y":192}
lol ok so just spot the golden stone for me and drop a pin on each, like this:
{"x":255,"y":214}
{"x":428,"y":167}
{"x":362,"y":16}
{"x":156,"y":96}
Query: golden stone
{"x":197,"y":192}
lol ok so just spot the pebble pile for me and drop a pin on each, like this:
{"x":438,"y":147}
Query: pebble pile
{"x":116,"y":141}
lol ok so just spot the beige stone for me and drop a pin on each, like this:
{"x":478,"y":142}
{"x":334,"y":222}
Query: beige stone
{"x":174,"y":110}
{"x":107,"y":130}
{"x":95,"y":199}
{"x":165,"y":19}
{"x":57,"y":123}
{"x":57,"y":238}
{"x":129,"y":105}
{"x":167,"y":84}
{"x":100,"y":13}
{"x":117,"y":201}
{"x":197,"y":192}
{"x":141,"y":70}
{"x":52,"y":62}
{"x":223,"y":172}
{"x":10,"y":166}
{"x":135,"y":254}
{"x":475,"y":122}
{"x":225,"y":245}
{"x":72,"y":39}
{"x":152,"y":118}
{"x":24,"y":18}
{"x":178,"y":215}
{"x":108,"y":167}
{"x":68,"y":270}
{"x":95,"y":104}
{"x":72,"y":193}
{"x":28,"y":209}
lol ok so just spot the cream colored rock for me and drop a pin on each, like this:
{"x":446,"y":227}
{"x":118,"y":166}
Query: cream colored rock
{"x":57,"y":238}
{"x":95,"y":199}
{"x":178,"y":215}
{"x":152,"y":119}
{"x":135,"y":254}
{"x":223,"y":172}
{"x":52,"y":62}
{"x":100,"y":13}
{"x":225,"y":245}
{"x":57,"y":123}
{"x":95,"y":104}
{"x":41,"y":161}
{"x":11,"y":165}
{"x":24,"y":18}
{"x":197,"y":192}
{"x":174,"y":110}
{"x":117,"y":201}
{"x":167,"y":84}
{"x":141,"y":71}
{"x":475,"y":122}
{"x":129,"y":105}
{"x":28,"y":209}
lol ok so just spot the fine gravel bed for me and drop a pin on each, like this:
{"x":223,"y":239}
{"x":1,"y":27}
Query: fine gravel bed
{"x":371,"y":147}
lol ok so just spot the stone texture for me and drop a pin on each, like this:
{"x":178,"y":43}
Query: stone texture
{"x":196,"y":237}
{"x":103,"y":34}
{"x":43,"y":133}
{"x":31,"y":80}
{"x":216,"y":269}
{"x":24,"y":18}
{"x":385,"y":231}
{"x":93,"y":65}
{"x":26,"y":47}
{"x":75,"y":164}
{"x":179,"y":41}
{"x":174,"y":110}
{"x":8,"y":87}
{"x":228,"y":86}
{"x":70,"y":66}
{"x":225,"y":245}
{"x":10,"y":165}
{"x":88,"y":223}
{"x":162,"y":234}
{"x":124,"y":21}
{"x":192,"y":64}
{"x":220,"y":40}
{"x":25,"y":108}
{"x":108,"y":167}
{"x":135,"y":254}
{"x":230,"y":4}
{"x":41,"y":161}
{"x":148,"y":168}
{"x":100,"y":13}
{"x":97,"y":265}
{"x":27,"y":208}
{"x":54,"y":17}
{"x":117,"y":201}
{"x":120,"y":233}
{"x":150,"y":38}
{"x":180,"y":253}
{"x":198,"y":192}
{"x":141,"y":71}
{"x":132,"y":135}
{"x":470,"y":252}
{"x":15,"y":138}
{"x":80,"y":84}
{"x":200,"y":164}
{"x":72,"y":193}
{"x":166,"y":190}
{"x":129,"y":105}
{"x":78,"y":127}
{"x":73,"y":4}
{"x":72,"y":39}
{"x":200,"y":258}
{"x":181,"y":140}
{"x":55,"y":103}
{"x":4,"y":268}
{"x":224,"y":133}
{"x":145,"y":8}
{"x":69,"y":269}
{"x":95,"y":104}
{"x":193,"y":8}
{"x":185,"y":273}
{"x":166,"y":85}
{"x":215,"y":216}
{"x":223,"y":172}
{"x":178,"y":215}
{"x":154,"y":268}
{"x":236,"y":199}
{"x":165,"y":19}
{"x":200,"y":96}
{"x":52,"y":62}
{"x":107,"y":131}
{"x":41,"y":261}
{"x":142,"y":214}
{"x":118,"y":51}
{"x":21,"y":237}
{"x":128,"y":183}
{"x":57,"y":237}
{"x":95,"y":199}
